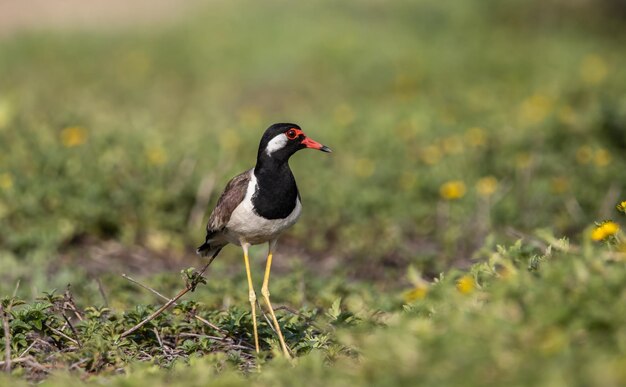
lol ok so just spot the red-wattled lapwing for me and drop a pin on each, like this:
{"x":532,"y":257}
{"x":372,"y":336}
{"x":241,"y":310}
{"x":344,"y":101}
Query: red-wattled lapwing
{"x":258,"y":205}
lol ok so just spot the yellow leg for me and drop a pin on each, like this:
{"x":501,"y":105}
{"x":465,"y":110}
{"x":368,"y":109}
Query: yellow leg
{"x":265,"y":291}
{"x":251,"y":294}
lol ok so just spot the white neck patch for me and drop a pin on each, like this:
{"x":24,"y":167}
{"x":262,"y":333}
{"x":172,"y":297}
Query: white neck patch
{"x":276,"y":143}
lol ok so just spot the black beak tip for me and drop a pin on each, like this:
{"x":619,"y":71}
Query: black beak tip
{"x":326,"y":149}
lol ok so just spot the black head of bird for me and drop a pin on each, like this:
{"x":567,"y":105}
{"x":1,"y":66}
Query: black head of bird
{"x":281,"y":141}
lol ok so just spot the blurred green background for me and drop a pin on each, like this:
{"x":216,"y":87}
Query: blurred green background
{"x":453,"y":125}
{"x":128,"y":135}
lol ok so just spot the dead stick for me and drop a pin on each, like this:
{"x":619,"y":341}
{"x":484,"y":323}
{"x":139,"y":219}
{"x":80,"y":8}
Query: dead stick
{"x":271,"y":325}
{"x":58,"y":332}
{"x":154,"y":291}
{"x":144,"y":286}
{"x":28,"y":349}
{"x":16,"y":360}
{"x":168,"y":304}
{"x":206,"y":322}
{"x":158,"y":312}
{"x":29,"y":360}
{"x":7,"y":340}
{"x":80,"y":345}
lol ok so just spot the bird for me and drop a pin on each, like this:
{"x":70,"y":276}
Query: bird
{"x":258,"y":205}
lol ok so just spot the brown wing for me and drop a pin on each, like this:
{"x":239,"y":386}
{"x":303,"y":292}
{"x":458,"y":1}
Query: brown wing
{"x":233,"y":194}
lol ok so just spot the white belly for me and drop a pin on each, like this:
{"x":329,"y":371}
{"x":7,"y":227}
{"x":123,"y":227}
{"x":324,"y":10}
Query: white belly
{"x":246,"y":225}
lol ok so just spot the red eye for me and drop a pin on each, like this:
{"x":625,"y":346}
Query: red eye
{"x":292,"y":134}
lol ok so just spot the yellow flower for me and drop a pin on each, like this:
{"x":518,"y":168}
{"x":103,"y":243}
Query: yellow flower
{"x":465,"y":284}
{"x":452,"y":145}
{"x":602,"y":158}
{"x":6,"y":181}
{"x":419,"y":292}
{"x":73,"y":136}
{"x":584,"y":154}
{"x":430,"y":155}
{"x":156,"y":155}
{"x":593,"y":69}
{"x":610,"y":228}
{"x":598,"y":234}
{"x":535,"y":109}
{"x":560,"y":185}
{"x":452,"y":190}
{"x":476,"y":137}
{"x":622,"y":207}
{"x":604,"y":230}
{"x":567,"y":115}
{"x":487,"y":186}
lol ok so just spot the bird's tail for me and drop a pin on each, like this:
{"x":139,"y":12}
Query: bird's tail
{"x":208,"y":250}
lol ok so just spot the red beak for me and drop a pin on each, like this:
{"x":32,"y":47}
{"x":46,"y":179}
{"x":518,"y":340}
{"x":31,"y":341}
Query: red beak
{"x":309,"y":143}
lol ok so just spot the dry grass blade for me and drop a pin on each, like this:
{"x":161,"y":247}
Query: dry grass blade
{"x":102,"y":292}
{"x":171,"y":302}
{"x":208,"y":323}
{"x":157,"y":312}
{"x":154,"y":291}
{"x":267,"y":320}
{"x":24,"y":352}
{"x":156,"y":333}
{"x":69,"y":304}
{"x":58,"y":332}
{"x":14,"y":361}
{"x":67,"y":320}
{"x":29,"y":361}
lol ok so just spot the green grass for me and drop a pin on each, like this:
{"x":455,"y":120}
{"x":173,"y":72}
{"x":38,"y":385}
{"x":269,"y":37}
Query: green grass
{"x":525,"y":316}
{"x":107,"y":137}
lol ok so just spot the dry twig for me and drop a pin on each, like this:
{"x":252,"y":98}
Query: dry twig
{"x":28,"y":349}
{"x":190,"y":286}
{"x":58,"y":332}
{"x":269,"y":322}
{"x":156,"y":333}
{"x":73,"y":330}
{"x":154,"y":291}
{"x":145,"y":287}
{"x":28,"y":360}
{"x":69,"y":304}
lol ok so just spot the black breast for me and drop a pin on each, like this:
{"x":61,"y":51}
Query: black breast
{"x":276,"y":193}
